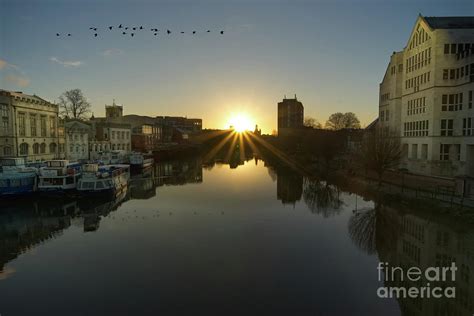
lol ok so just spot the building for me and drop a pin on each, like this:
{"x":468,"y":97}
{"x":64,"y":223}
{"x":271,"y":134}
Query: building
{"x":146,"y":137}
{"x":77,"y":135}
{"x":290,"y":115}
{"x":174,"y":127}
{"x":426,"y":97}
{"x":29,"y":127}
{"x":113,"y":136}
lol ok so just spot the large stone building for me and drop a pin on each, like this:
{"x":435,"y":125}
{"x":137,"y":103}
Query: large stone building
{"x":29,"y":127}
{"x":426,"y":97}
{"x":77,"y":140}
{"x":290,"y":115}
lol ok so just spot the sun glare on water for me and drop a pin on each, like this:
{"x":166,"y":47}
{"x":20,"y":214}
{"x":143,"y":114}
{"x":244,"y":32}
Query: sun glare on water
{"x":240,"y":122}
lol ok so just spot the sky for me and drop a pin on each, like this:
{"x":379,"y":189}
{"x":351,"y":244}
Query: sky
{"x":331,"y":53}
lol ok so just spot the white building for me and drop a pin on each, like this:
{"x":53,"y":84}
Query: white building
{"x":29,"y":127}
{"x":426,"y":96}
{"x":77,"y":140}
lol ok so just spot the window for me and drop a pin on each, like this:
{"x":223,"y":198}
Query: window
{"x":444,"y":151}
{"x":43,"y":126}
{"x":424,"y":151}
{"x":470,"y":99}
{"x":453,"y":48}
{"x":445,"y":74}
{"x":21,"y":124}
{"x":35,"y":148}
{"x":457,"y":152}
{"x":43,"y":148}
{"x":414,"y":151}
{"x":52,"y":126}
{"x":52,"y":148}
{"x":33,"y":126}
{"x":467,"y":127}
{"x":447,"y":127}
{"x":24,"y":149}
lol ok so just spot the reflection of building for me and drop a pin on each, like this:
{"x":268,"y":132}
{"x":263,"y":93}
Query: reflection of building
{"x":77,"y":140}
{"x":178,"y":172}
{"x":426,"y":96}
{"x":430,"y":242}
{"x":290,"y":115}
{"x":29,"y":126}
{"x":289,"y":186}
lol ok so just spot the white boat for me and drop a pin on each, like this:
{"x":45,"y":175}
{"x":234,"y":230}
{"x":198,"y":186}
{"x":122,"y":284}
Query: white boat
{"x":16,"y":178}
{"x":59,"y":175}
{"x":105,"y":180}
{"x":140,"y":160}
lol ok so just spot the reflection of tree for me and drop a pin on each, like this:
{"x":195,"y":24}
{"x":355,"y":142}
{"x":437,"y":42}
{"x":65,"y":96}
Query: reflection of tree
{"x":322,"y":198}
{"x":374,"y":230}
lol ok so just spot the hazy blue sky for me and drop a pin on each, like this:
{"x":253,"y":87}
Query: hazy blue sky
{"x":332,"y":54}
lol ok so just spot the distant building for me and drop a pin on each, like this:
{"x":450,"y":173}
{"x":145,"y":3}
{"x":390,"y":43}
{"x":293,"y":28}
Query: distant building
{"x":174,"y":127}
{"x":145,"y":137}
{"x":29,"y":127}
{"x":109,"y":136}
{"x":113,"y":111}
{"x":77,"y":140}
{"x":290,"y":115}
{"x":426,"y":97}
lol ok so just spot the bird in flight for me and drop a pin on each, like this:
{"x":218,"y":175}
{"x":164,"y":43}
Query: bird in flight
{"x":68,"y":34}
{"x":126,"y":28}
{"x":120,"y":26}
{"x":124,"y":33}
{"x":182,"y":32}
{"x":134,"y":28}
{"x":93,"y":28}
{"x":168,"y":31}
{"x":222,"y":32}
{"x":141,"y":27}
{"x":57,"y":34}
{"x":110,"y":27}
{"x":133,"y":34}
{"x":208,"y":31}
{"x":194,"y":32}
{"x":156,"y":34}
{"x":95,"y":35}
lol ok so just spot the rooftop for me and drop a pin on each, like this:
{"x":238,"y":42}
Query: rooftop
{"x":450,"y":22}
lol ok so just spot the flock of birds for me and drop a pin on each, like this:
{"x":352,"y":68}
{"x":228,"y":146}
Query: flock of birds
{"x":126,"y":30}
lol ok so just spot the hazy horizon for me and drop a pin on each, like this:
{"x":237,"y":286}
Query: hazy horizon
{"x":332,"y":59}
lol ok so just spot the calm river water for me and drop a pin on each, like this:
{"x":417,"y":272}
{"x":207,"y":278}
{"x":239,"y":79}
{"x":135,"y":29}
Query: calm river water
{"x":189,"y":238}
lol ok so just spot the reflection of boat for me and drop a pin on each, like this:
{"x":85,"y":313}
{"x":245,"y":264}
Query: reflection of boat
{"x":59,"y":175}
{"x":16,"y":178}
{"x":140,"y":161}
{"x":108,"y":179}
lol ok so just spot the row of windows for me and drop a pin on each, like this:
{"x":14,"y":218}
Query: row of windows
{"x":458,"y":73}
{"x":418,"y":80}
{"x":424,"y":152}
{"x":384,"y":97}
{"x":104,"y":147}
{"x":78,"y":148}
{"x":458,"y":48}
{"x":416,"y":128}
{"x":393,"y":71}
{"x":418,"y":60}
{"x":416,"y":106}
{"x":451,"y":102}
{"x":34,"y":125}
{"x":120,"y":135}
{"x":37,"y":148}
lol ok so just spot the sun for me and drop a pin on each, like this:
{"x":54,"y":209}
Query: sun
{"x":240,"y":122}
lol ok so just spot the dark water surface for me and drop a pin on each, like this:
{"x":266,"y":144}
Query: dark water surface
{"x":187,"y":239}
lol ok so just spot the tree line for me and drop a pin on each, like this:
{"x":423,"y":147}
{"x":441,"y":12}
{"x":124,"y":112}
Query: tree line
{"x":336,"y":121}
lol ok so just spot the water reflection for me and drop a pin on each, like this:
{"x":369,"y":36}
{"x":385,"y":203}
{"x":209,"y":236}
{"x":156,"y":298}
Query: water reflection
{"x":233,"y":253}
{"x":411,"y":238}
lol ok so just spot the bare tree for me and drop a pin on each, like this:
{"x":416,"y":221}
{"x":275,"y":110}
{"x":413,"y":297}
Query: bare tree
{"x":73,"y":104}
{"x":312,"y":122}
{"x":340,"y":120}
{"x":380,"y":151}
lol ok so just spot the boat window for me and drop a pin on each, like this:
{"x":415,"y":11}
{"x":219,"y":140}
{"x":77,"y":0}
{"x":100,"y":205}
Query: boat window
{"x":69,"y":180}
{"x":88,"y":185}
{"x":26,"y":181}
{"x":14,"y":182}
{"x":100,"y":184}
{"x":4,"y":183}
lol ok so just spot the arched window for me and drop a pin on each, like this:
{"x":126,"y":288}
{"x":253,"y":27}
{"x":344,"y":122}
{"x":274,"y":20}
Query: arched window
{"x":7,"y":151}
{"x":24,"y":149}
{"x":52,"y":148}
{"x":35,"y":148}
{"x":43,"y":148}
{"x":77,"y":148}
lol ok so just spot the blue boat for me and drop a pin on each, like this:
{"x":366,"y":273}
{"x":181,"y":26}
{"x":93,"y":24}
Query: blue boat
{"x":16,"y":178}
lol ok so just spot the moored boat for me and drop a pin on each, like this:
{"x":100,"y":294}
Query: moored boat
{"x":140,"y":161}
{"x":106,"y":180}
{"x":59,"y":176}
{"x":16,"y":178}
